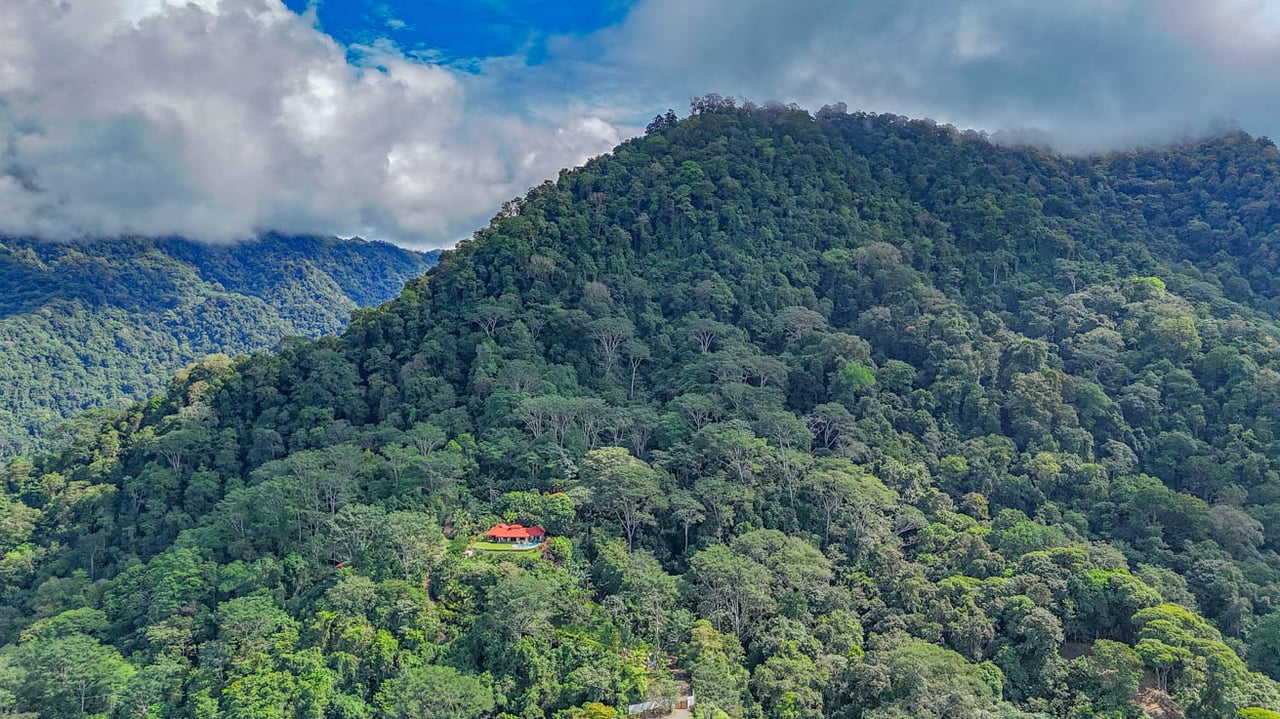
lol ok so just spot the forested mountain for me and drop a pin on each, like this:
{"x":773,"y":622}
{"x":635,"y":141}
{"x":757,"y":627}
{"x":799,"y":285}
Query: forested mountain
{"x":90,"y":324}
{"x":840,"y":415}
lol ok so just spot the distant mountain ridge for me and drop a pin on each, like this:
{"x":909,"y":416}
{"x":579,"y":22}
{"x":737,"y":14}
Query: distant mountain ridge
{"x":87,"y":324}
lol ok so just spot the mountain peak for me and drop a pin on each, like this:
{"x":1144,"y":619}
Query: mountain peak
{"x":827,"y":415}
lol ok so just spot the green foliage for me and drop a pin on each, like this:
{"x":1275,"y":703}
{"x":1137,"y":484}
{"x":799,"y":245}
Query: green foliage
{"x":71,"y":675}
{"x":827,"y":416}
{"x":716,"y":674}
{"x":434,"y":692}
{"x":854,"y":377}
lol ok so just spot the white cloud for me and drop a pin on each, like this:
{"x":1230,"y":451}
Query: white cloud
{"x":1243,"y":36}
{"x":1092,"y":73}
{"x":220,"y":118}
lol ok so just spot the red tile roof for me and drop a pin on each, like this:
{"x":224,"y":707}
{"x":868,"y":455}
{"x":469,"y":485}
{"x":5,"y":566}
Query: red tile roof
{"x":515,"y":531}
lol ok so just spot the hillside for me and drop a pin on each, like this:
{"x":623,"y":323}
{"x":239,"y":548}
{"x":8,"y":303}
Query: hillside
{"x":839,"y":415}
{"x":105,"y":323}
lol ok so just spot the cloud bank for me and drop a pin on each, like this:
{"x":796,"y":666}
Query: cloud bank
{"x":218,"y":119}
{"x":223,"y":118}
{"x":1093,"y":74}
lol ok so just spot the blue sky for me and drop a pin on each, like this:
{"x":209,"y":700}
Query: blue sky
{"x":412,"y":121}
{"x":463,"y":31}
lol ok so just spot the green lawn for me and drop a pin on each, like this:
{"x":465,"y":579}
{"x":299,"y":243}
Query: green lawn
{"x":496,"y":547}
